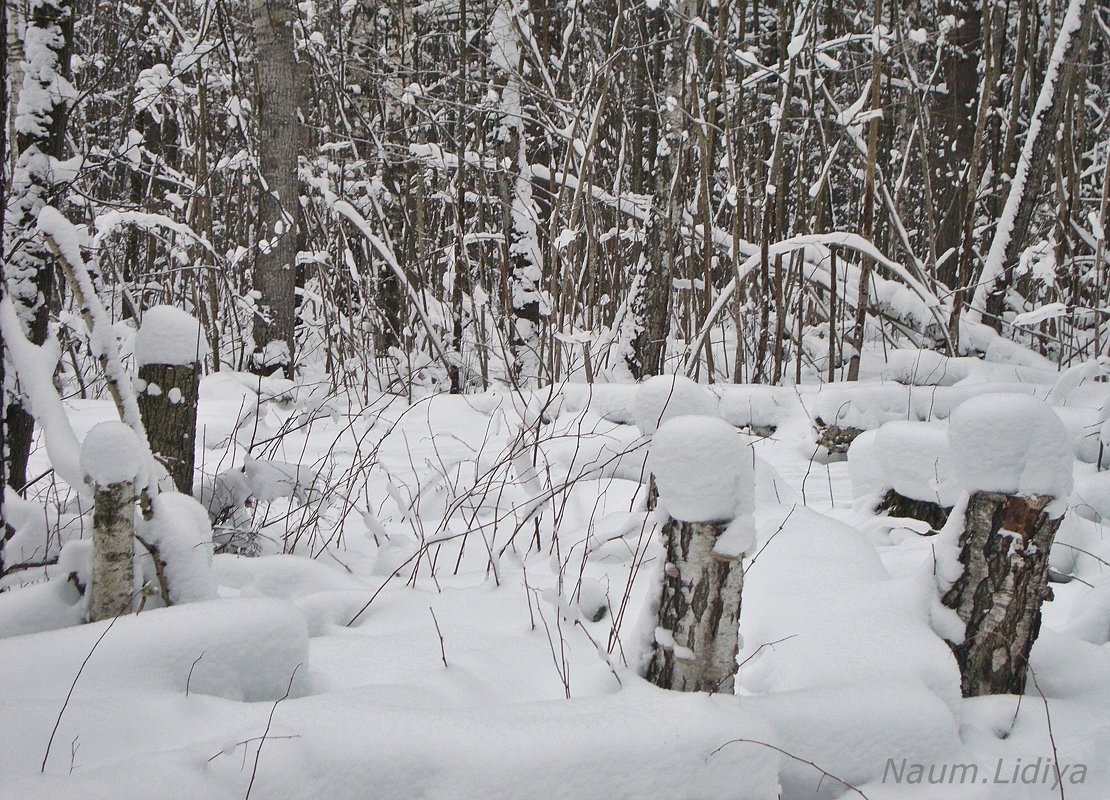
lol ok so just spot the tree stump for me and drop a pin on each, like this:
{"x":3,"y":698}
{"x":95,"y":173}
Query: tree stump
{"x":169,"y":347}
{"x":1004,"y":551}
{"x":113,"y":567}
{"x":112,"y":459}
{"x":168,"y":396}
{"x":698,"y":635}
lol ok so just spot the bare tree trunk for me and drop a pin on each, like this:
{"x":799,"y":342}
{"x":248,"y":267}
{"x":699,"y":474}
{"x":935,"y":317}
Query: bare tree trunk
{"x":698,"y":635}
{"x":6,"y":531}
{"x":653,"y":275}
{"x":113,"y":567}
{"x":1012,"y":230}
{"x":40,"y":136}
{"x":1004,"y":551}
{"x":168,"y":396}
{"x":864,"y":289}
{"x":275,"y":271}
{"x":455,"y":373}
{"x":954,"y":114}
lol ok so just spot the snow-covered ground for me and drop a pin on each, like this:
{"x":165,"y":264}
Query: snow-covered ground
{"x":472,"y":598}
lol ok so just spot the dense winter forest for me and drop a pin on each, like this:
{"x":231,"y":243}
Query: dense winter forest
{"x":532,"y":399}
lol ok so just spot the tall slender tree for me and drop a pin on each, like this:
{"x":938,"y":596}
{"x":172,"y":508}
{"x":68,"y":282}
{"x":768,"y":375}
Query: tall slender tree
{"x":275,"y":269}
{"x":40,"y":124}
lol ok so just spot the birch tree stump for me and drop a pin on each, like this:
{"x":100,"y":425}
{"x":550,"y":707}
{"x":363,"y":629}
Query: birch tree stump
{"x":113,"y":567}
{"x":111,"y":458}
{"x":697,"y":638}
{"x":705,"y":481}
{"x":1004,"y":552}
{"x":1013,"y":456}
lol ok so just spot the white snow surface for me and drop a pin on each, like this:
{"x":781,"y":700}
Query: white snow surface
{"x":182,"y":533}
{"x":703,"y":468}
{"x":665,"y":397}
{"x":913,"y":460}
{"x":1010,"y":443}
{"x":111,"y":453}
{"x":169,"y":335}
{"x":522,"y":555}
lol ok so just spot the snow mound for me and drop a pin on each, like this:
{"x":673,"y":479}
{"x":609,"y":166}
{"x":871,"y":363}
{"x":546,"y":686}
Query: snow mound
{"x":703,"y":469}
{"x":169,"y":335}
{"x":111,"y":453}
{"x":181,"y":532}
{"x":665,"y":397}
{"x":234,"y":648}
{"x":863,"y":466}
{"x":638,"y":742}
{"x":755,"y":406}
{"x":913,"y":460}
{"x":1010,"y":443}
{"x":927,"y":368}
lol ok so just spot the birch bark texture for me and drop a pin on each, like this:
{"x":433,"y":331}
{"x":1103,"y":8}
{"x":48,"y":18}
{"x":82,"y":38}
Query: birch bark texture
{"x":1004,"y":552}
{"x":275,"y":271}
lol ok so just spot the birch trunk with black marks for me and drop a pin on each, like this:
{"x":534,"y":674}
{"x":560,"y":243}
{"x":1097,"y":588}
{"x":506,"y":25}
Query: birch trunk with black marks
{"x":275,"y":273}
{"x":697,"y":638}
{"x":113,"y":567}
{"x":168,"y":395}
{"x":1004,"y":551}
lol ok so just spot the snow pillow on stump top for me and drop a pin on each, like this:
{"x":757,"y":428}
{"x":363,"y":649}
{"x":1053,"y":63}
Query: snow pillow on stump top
{"x":665,"y":397}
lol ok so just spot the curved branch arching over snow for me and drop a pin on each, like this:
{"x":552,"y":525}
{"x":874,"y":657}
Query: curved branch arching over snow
{"x":852,"y":241}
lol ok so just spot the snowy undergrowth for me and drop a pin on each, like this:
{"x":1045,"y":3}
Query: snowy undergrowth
{"x":454,"y":598}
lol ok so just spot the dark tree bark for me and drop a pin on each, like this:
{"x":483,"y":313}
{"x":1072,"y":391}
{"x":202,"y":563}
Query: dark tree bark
{"x":5,"y":530}
{"x":898,"y":505}
{"x":698,"y":635}
{"x":1004,"y":551}
{"x":168,"y":396}
{"x":275,"y":273}
{"x":653,"y":275}
{"x":954,"y":114}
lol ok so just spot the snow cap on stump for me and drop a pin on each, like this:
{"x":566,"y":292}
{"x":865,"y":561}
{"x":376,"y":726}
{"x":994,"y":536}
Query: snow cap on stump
{"x":1010,"y":443}
{"x":705,"y":473}
{"x":111,"y":453}
{"x":169,"y":335}
{"x":665,"y":397}
{"x":703,"y":469}
{"x":913,"y":461}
